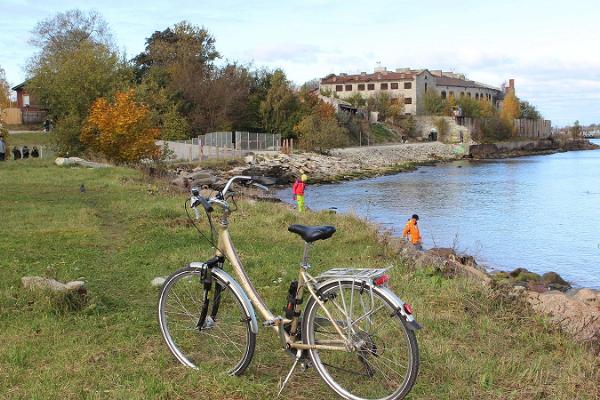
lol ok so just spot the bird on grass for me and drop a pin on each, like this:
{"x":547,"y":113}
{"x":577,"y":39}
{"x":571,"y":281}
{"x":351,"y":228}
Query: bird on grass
{"x":82,"y":188}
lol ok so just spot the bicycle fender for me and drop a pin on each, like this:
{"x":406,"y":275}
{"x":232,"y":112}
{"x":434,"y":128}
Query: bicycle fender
{"x":237,"y":289}
{"x":397,"y":304}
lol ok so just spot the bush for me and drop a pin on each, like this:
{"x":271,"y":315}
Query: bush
{"x":67,"y":133}
{"x":492,"y":130}
{"x":443,"y":128}
{"x":433,"y":104}
{"x":320,"y":133}
{"x":121,"y":131}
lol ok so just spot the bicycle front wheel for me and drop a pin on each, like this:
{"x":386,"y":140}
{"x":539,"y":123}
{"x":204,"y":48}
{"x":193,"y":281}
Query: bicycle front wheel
{"x":382,"y":360}
{"x":218,"y":338}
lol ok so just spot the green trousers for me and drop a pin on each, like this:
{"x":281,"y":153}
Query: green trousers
{"x":300,"y":202}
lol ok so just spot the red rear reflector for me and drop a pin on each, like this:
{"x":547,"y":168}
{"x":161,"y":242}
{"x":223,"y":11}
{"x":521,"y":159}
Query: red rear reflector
{"x":408,"y":308}
{"x":381,"y":280}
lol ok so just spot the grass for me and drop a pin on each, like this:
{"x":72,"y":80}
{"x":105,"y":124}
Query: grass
{"x":119,"y":235}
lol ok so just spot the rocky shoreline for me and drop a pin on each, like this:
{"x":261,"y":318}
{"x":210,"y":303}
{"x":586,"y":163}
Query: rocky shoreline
{"x":575,"y":311}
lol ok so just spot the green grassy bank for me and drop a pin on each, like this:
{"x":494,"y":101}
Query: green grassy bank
{"x":119,"y":234}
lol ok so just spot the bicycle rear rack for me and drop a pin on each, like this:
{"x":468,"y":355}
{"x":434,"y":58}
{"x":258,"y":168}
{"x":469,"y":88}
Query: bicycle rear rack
{"x":363,"y":274}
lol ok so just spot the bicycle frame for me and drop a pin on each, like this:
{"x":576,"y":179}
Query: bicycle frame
{"x":226,"y":248}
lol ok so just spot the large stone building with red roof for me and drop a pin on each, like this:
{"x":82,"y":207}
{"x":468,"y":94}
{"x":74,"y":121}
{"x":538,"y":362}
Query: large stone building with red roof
{"x":408,"y":85}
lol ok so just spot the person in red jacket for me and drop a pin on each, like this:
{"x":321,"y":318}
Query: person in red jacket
{"x":412,"y":229}
{"x":298,"y":192}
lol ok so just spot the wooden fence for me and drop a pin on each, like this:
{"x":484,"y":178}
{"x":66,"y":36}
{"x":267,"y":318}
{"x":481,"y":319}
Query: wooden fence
{"x":525,"y":128}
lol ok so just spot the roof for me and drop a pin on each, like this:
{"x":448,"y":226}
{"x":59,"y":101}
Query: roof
{"x":448,"y":81}
{"x":20,"y":85}
{"x":377,"y":76}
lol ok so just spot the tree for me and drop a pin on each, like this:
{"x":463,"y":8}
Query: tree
{"x":528,"y":111}
{"x":4,"y":90}
{"x":357,"y":100}
{"x":433,"y":104}
{"x":279,"y":109}
{"x":380,"y":102}
{"x":510,"y":107}
{"x":121,"y":131}
{"x":470,"y":107}
{"x":320,"y":131}
{"x":575,"y":131}
{"x":75,"y":65}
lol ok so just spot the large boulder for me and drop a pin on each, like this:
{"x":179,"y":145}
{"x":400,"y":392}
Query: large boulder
{"x":38,"y":282}
{"x":554,"y":281}
{"x":573,"y":315}
{"x":62,"y":162}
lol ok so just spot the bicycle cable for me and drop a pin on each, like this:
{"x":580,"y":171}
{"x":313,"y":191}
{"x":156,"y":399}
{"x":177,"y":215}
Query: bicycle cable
{"x":209,"y":240}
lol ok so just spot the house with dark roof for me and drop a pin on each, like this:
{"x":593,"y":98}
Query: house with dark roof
{"x":408,"y":86}
{"x":31,"y":110}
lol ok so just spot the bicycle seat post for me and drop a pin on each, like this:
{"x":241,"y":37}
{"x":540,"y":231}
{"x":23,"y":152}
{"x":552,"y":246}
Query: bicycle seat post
{"x":305,"y":257}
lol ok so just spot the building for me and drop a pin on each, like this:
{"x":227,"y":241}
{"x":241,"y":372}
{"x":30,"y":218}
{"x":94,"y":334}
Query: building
{"x":32,"y":112}
{"x":408,"y":85}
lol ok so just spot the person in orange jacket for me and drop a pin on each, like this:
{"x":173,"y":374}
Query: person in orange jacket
{"x":298,"y":192}
{"x":412,"y":229}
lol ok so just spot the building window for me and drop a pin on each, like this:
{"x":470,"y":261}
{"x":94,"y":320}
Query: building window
{"x":394,"y":85}
{"x":451,"y":94}
{"x":383,"y":86}
{"x":408,"y":100}
{"x":407,"y":85}
{"x":469,"y":94}
{"x":425,"y":86}
{"x":443,"y":94}
{"x":462,"y":94}
{"x":370,"y":86}
{"x":348,"y":88}
{"x":394,"y":101}
{"x":361,"y":86}
{"x":339,"y":88}
{"x":476,"y":96}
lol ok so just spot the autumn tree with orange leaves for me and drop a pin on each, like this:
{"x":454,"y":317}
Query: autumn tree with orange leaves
{"x":121,"y":131}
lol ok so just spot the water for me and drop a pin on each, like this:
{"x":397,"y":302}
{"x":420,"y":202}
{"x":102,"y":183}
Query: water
{"x":537,"y":212}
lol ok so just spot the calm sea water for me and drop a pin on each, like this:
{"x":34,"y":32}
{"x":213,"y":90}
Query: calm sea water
{"x":537,"y":212}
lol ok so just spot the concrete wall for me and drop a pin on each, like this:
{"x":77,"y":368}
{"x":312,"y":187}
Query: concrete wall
{"x":425,"y":124}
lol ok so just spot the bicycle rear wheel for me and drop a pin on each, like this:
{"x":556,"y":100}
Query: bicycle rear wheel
{"x":220,"y":339}
{"x":383,"y":360}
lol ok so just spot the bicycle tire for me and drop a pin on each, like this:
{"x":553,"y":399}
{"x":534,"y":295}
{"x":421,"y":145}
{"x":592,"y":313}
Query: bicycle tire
{"x":227,"y":340}
{"x":372,"y":378}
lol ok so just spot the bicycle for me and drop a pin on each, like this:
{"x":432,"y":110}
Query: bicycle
{"x":357,"y":334}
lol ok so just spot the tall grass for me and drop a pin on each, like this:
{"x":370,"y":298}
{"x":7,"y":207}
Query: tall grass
{"x":124,"y":231}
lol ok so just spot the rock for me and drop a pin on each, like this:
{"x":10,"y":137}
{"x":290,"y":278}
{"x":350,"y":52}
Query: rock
{"x":553,"y":281}
{"x":573,"y":315}
{"x":38,"y":282}
{"x":589,"y":296}
{"x":443,"y":252}
{"x":523,"y":275}
{"x":249,"y":159}
{"x":61,"y":162}
{"x":181,"y":182}
{"x":158,"y":281}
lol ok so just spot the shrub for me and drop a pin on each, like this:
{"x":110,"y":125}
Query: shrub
{"x":121,"y":131}
{"x":433,"y":104}
{"x":320,"y":133}
{"x":492,"y":130}
{"x":67,"y":133}
{"x":443,"y":128}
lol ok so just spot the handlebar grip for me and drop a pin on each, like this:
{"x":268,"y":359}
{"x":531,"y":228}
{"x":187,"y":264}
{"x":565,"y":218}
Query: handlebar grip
{"x":205,"y":204}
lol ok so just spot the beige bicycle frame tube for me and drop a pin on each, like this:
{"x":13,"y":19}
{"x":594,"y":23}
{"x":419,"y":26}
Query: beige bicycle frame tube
{"x":225,"y":244}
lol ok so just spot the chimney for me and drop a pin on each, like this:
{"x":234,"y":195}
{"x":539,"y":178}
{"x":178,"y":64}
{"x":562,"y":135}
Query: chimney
{"x":510,"y":87}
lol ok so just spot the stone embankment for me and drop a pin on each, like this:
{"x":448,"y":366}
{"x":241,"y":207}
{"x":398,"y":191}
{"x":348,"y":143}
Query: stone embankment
{"x":527,"y":147}
{"x":340,"y":164}
{"x":575,"y":311}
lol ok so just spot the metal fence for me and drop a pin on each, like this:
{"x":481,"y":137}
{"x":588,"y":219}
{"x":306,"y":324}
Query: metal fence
{"x":223,"y":145}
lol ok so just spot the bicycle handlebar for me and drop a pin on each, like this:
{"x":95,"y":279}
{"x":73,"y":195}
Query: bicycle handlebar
{"x":197,"y":198}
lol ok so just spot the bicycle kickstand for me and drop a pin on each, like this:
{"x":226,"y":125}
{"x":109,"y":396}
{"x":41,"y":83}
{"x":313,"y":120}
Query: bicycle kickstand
{"x":289,"y":375}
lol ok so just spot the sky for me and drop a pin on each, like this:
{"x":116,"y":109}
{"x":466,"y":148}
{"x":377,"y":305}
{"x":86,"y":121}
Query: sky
{"x":546,"y":46}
